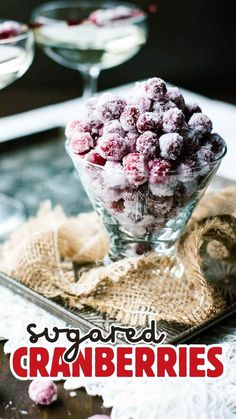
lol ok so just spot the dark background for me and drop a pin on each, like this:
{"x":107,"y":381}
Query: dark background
{"x":191,"y":44}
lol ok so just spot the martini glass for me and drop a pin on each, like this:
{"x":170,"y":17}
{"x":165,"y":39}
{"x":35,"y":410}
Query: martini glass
{"x":137,"y":218}
{"x":90,"y":36}
{"x":16,"y":55}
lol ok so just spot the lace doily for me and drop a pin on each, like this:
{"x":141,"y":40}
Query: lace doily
{"x":133,"y":399}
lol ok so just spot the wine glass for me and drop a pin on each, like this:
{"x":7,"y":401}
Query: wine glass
{"x":90,"y":36}
{"x":16,"y":55}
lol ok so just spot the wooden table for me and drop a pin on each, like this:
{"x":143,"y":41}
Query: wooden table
{"x":16,"y":404}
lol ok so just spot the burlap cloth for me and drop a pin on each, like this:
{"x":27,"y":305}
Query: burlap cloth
{"x":57,"y":256}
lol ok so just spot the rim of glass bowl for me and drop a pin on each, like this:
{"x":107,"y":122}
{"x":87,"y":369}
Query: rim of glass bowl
{"x":25,"y":32}
{"x":198,"y":169}
{"x":36,"y":14}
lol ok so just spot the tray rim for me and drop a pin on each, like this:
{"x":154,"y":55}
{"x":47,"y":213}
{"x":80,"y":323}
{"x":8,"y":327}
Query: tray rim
{"x":77,"y":319}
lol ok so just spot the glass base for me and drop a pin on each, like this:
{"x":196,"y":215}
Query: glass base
{"x":12,"y":215}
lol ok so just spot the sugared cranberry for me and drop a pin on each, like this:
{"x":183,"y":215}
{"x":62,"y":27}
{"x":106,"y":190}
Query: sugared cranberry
{"x":81,"y":142}
{"x":132,"y":140}
{"x":173,"y":120}
{"x":190,"y":109}
{"x":9,"y":29}
{"x":110,"y":106}
{"x":218,"y":144}
{"x":159,"y":170}
{"x":43,"y":392}
{"x":149,"y":121}
{"x":114,"y":175}
{"x":159,"y":205}
{"x":155,"y":88}
{"x":174,"y":95}
{"x":162,"y":107}
{"x":199,"y":126}
{"x":103,"y":17}
{"x":136,"y":169}
{"x":112,"y":147}
{"x":188,"y":169}
{"x":129,"y":117}
{"x":171,"y":146}
{"x":95,"y":158}
{"x":113,"y":127}
{"x":77,"y":126}
{"x":117,"y":206}
{"x":141,"y":101}
{"x":90,"y":106}
{"x":147,"y":144}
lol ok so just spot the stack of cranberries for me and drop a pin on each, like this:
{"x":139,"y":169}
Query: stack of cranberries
{"x":150,"y":154}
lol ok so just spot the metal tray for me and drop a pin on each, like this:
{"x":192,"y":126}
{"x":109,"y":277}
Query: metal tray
{"x":37,"y":168}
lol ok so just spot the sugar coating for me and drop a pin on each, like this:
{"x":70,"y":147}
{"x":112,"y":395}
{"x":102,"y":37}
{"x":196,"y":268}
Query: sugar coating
{"x":112,"y":147}
{"x":171,"y":146}
{"x":149,"y":121}
{"x":147,"y":144}
{"x":132,"y":140}
{"x":76,"y":125}
{"x":43,"y":392}
{"x":135,"y":168}
{"x":81,"y":142}
{"x":110,"y":106}
{"x":175,"y":96}
{"x":113,"y":175}
{"x":155,"y":88}
{"x":113,"y":126}
{"x":173,"y":120}
{"x":199,"y":125}
{"x":159,"y":171}
{"x":129,"y":117}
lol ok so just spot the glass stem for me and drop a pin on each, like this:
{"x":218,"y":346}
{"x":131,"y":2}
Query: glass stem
{"x":90,"y":79}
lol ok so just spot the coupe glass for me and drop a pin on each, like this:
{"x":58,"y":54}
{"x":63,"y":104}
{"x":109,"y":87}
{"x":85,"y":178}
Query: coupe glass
{"x":67,"y":36}
{"x":16,"y":55}
{"x":147,"y":217}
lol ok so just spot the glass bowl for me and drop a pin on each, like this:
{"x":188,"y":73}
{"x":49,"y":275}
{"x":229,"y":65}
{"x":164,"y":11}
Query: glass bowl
{"x":149,"y":217}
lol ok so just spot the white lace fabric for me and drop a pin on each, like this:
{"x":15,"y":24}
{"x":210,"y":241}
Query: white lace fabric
{"x":159,"y":398}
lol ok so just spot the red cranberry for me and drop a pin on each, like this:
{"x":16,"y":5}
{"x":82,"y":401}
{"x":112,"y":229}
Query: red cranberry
{"x":162,"y":107}
{"x":113,"y":127}
{"x":81,"y":142}
{"x":173,"y":120}
{"x":129,"y":117}
{"x":136,"y":169}
{"x":190,"y":109}
{"x":171,"y":146}
{"x":174,"y":95}
{"x":217,"y":143}
{"x":159,"y":206}
{"x":95,"y":158}
{"x":110,"y":107}
{"x":188,"y":169}
{"x":159,"y":171}
{"x":155,"y":88}
{"x":147,"y":144}
{"x":117,"y":206}
{"x":149,"y":121}
{"x":112,"y":147}
{"x":77,"y":126}
{"x":199,"y":125}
